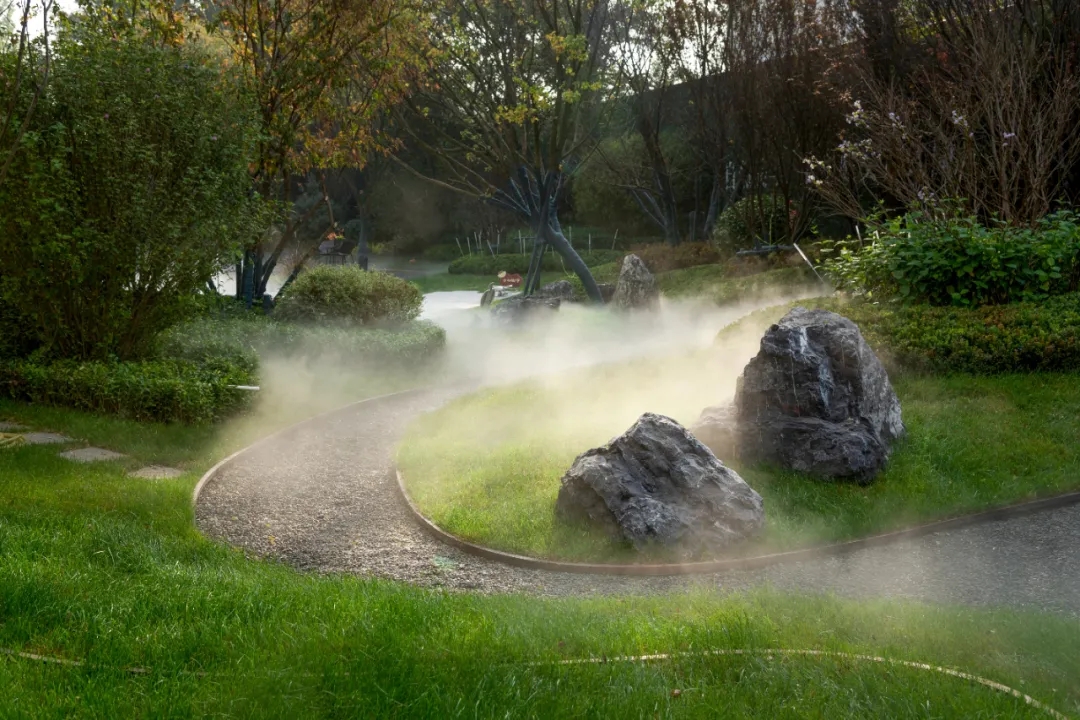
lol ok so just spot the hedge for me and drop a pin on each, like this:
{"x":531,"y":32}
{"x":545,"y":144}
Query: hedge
{"x":241,"y":341}
{"x":156,"y":391}
{"x":1020,"y":337}
{"x":492,"y":265}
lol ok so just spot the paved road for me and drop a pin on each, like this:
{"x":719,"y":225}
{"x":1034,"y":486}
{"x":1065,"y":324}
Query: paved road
{"x":321,"y":497}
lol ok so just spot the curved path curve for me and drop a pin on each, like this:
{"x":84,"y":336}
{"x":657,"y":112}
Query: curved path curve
{"x":322,"y":497}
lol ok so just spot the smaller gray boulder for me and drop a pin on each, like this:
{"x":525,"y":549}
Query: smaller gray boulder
{"x":656,"y":484}
{"x":561,"y":289}
{"x":519,"y":309}
{"x":636,"y":287}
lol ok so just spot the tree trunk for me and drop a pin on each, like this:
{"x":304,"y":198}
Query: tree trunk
{"x":553,"y":236}
{"x":714,"y":205}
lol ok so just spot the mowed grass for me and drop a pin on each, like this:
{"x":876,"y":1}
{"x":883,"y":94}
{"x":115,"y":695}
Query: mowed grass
{"x":488,"y":467}
{"x":446,"y":281}
{"x":109,"y":571}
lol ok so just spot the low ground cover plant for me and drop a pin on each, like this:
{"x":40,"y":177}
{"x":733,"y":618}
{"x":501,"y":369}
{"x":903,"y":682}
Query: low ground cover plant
{"x":922,"y":258}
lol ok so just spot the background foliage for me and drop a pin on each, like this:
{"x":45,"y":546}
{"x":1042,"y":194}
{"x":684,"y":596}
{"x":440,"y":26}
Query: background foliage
{"x":129,"y":190}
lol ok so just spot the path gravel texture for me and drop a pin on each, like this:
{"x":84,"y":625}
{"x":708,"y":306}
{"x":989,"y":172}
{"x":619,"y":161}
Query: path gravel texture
{"x":322,"y":497}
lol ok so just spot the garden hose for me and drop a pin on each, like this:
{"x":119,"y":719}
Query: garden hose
{"x":9,"y":440}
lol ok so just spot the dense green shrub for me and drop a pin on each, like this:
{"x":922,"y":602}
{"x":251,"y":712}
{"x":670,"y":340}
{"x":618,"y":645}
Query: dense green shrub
{"x":1018,"y":337}
{"x":16,"y":338}
{"x":492,"y":265}
{"x":158,"y":391}
{"x":241,"y":341}
{"x":347,"y":294}
{"x":128,"y":190}
{"x":961,"y":262}
{"x":662,"y":257}
{"x":753,"y":218}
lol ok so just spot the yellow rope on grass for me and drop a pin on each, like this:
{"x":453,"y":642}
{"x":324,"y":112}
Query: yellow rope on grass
{"x":9,"y":440}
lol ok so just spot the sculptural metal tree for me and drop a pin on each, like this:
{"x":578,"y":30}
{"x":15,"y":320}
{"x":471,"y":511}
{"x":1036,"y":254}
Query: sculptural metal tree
{"x":509,"y":104}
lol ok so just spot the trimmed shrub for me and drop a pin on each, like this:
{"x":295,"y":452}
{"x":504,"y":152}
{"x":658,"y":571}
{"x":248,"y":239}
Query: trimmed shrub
{"x":958,"y":261}
{"x":662,"y":257}
{"x":240,"y":342}
{"x":748,"y":220}
{"x":1019,"y":337}
{"x":489,"y":265}
{"x":155,"y":391}
{"x":347,"y":294}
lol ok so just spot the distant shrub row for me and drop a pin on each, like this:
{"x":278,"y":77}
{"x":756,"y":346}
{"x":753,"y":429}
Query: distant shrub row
{"x":241,"y":342}
{"x":492,"y":265}
{"x":157,"y":391}
{"x":1019,"y":337}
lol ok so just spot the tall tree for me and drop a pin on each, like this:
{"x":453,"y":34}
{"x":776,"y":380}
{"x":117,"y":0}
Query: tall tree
{"x":509,"y":103}
{"x":24,"y":72}
{"x":768,"y":78}
{"x":647,"y":59}
{"x":322,"y":73}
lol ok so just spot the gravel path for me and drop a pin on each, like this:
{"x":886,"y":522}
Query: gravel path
{"x":322,"y":497}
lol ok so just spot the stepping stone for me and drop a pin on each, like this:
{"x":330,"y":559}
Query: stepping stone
{"x":44,"y":438}
{"x":91,"y":454}
{"x":157,"y":472}
{"x":7,"y":427}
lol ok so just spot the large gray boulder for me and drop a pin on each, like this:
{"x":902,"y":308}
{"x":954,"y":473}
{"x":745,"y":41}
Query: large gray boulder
{"x":657,"y":484}
{"x":636,"y":287}
{"x":817,"y":400}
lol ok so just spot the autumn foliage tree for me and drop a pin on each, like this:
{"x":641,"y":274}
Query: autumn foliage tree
{"x":321,"y":73}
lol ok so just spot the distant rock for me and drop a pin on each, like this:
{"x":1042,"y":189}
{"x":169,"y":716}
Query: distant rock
{"x":520,"y":308}
{"x":561,"y":289}
{"x":636,"y":287}
{"x":657,"y":484}
{"x":816,"y":399}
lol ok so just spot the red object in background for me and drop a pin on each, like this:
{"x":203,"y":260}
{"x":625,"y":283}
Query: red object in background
{"x":510,"y":280}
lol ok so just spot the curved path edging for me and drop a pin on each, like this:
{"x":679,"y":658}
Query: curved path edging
{"x":212,"y":472}
{"x":748,"y":563}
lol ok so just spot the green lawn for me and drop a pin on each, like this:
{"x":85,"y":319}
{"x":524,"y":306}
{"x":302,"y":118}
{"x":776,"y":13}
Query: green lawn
{"x":446,"y":281}
{"x":487,"y":467}
{"x":108,"y":570}
{"x":711,"y":282}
